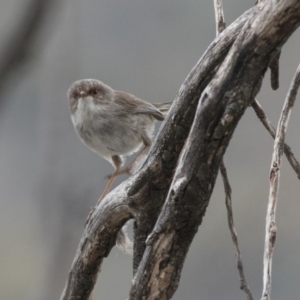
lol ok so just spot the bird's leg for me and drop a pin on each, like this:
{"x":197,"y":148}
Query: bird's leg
{"x":108,"y":186}
{"x":127,"y":170}
{"x":117,"y":162}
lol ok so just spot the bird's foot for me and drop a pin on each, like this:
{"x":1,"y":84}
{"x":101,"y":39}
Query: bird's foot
{"x":126,"y":170}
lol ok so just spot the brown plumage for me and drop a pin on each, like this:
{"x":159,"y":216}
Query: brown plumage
{"x":113,"y":123}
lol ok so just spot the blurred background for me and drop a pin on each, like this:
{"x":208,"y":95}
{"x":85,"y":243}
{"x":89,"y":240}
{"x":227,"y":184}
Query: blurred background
{"x":49,"y":180}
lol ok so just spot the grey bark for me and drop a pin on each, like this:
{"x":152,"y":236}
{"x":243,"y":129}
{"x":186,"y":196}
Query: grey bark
{"x":173,"y":187}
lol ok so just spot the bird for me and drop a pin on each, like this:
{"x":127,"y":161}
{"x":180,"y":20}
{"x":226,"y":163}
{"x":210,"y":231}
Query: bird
{"x":113,"y":124}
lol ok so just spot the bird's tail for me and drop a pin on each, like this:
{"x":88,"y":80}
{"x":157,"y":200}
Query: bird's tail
{"x":163,"y":107}
{"x":123,"y":241}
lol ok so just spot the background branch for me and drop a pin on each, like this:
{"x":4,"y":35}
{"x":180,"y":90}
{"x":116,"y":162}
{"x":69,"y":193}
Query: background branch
{"x":267,"y":124}
{"x":271,"y":229}
{"x":228,"y":202}
{"x":19,"y":49}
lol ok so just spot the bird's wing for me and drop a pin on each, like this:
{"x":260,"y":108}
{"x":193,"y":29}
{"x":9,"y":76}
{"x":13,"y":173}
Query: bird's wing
{"x":133,"y":105}
{"x":163,"y":107}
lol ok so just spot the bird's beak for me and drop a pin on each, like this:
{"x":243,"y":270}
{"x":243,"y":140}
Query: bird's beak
{"x":83,"y":94}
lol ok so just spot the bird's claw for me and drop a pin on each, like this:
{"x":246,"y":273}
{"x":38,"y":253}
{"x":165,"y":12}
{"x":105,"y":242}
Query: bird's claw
{"x":126,"y":170}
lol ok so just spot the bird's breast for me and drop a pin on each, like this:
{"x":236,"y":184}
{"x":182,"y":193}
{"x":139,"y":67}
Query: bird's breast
{"x":86,"y":108}
{"x":109,"y":134}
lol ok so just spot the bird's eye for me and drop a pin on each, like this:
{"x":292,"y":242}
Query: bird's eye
{"x":95,"y":92}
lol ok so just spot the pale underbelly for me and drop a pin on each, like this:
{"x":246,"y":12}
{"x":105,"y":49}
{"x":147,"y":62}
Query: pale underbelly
{"x":107,"y":145}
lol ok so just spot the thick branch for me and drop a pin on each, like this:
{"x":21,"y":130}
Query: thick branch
{"x":97,"y":240}
{"x":144,"y":192}
{"x":220,"y":108}
{"x":219,"y":14}
{"x":172,"y":137}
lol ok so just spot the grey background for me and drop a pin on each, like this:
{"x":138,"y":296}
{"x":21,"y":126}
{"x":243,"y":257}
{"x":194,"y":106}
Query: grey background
{"x":49,"y":180}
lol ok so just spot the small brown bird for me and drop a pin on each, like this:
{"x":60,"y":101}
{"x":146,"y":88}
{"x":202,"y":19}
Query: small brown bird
{"x":113,"y":123}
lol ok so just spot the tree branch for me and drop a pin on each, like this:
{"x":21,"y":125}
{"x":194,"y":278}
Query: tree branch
{"x":228,"y":202}
{"x":219,"y":16}
{"x":274,"y":69}
{"x":271,"y":229}
{"x":190,"y":91}
{"x":144,"y":193}
{"x":287,"y":150}
{"x":221,"y":106}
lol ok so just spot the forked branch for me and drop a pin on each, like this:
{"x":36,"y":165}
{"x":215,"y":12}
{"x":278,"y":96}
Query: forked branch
{"x":186,"y":155}
{"x":221,"y":106}
{"x":267,"y":124}
{"x":143,"y":194}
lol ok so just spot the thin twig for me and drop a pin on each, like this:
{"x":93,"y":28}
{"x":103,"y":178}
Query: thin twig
{"x":271,"y":229}
{"x":287,"y":150}
{"x":227,"y":188}
{"x":219,"y":16}
{"x":220,"y":26}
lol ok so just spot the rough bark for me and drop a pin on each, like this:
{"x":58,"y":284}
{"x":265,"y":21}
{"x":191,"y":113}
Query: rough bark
{"x":175,"y":131}
{"x":183,"y":163}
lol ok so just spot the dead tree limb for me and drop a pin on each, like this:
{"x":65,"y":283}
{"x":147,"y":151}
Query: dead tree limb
{"x":176,"y":131}
{"x":221,"y":106}
{"x":145,"y":191}
{"x":225,"y":92}
{"x":220,"y":24}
